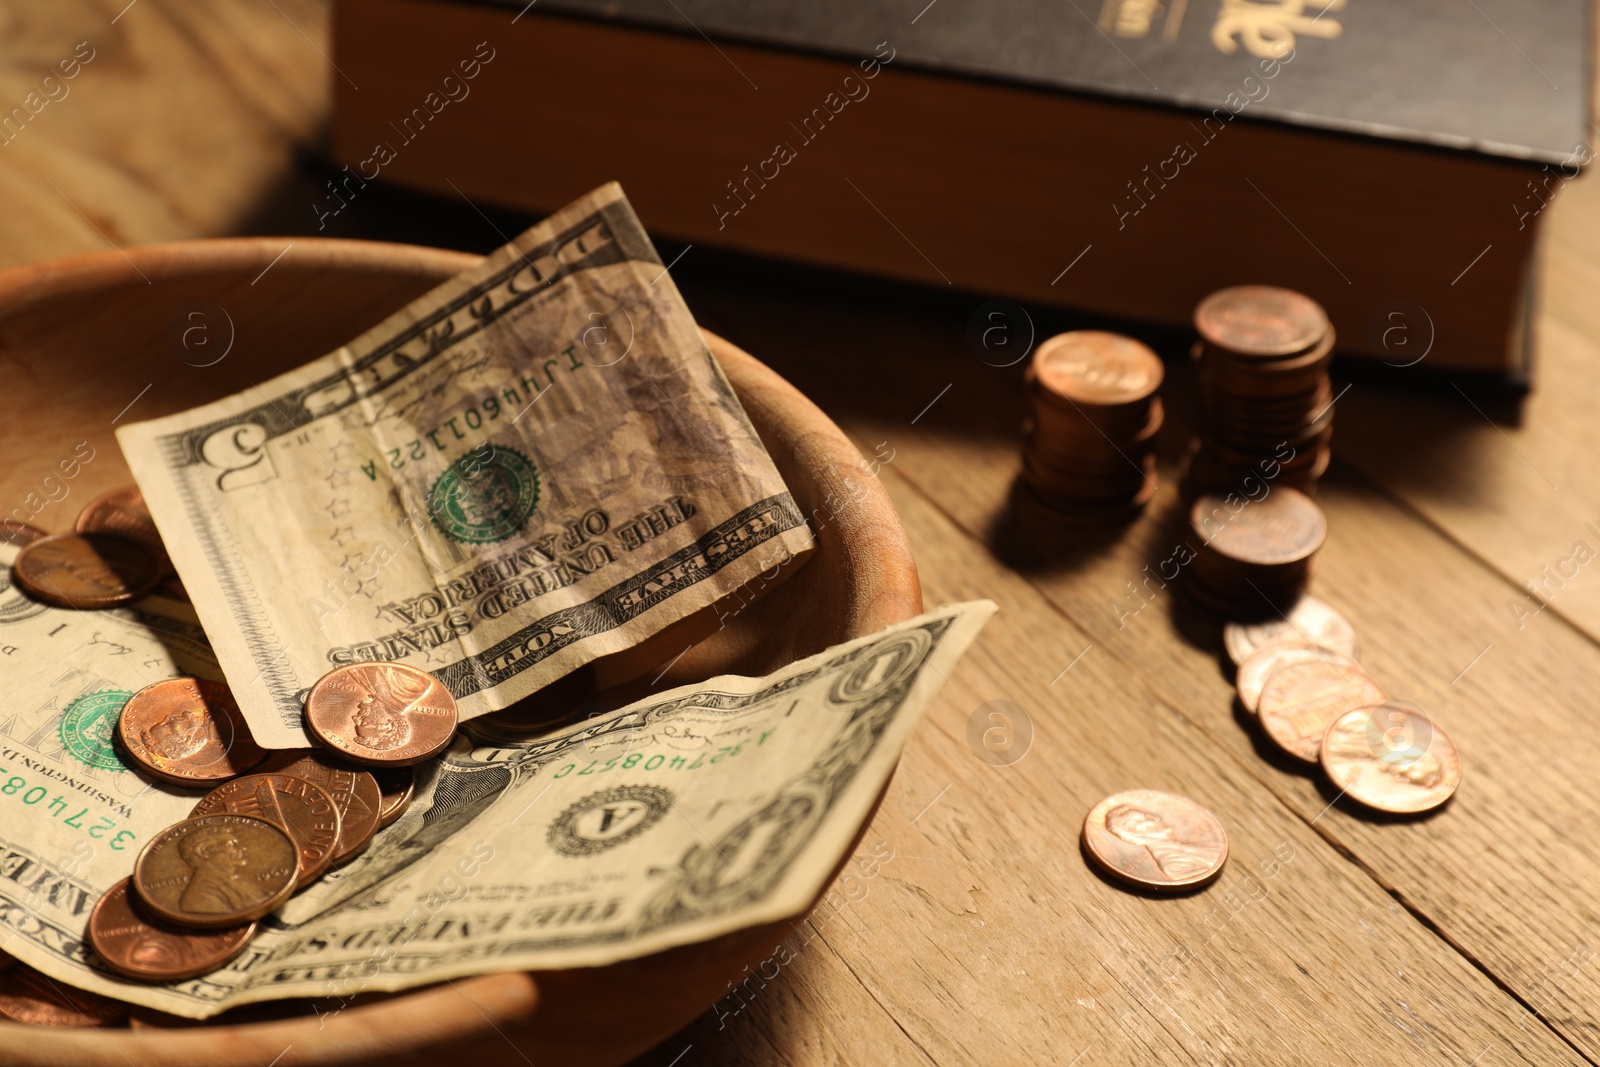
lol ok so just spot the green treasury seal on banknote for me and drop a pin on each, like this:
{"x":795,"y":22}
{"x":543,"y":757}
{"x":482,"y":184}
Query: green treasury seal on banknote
{"x":534,"y":466}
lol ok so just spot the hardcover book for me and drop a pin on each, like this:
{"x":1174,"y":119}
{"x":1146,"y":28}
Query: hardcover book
{"x":1124,"y":157}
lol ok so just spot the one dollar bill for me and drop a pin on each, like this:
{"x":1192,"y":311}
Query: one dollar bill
{"x":533,"y":466}
{"x":73,"y":815}
{"x":700,"y":811}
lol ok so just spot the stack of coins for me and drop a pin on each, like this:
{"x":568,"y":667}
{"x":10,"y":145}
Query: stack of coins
{"x":1266,"y":400}
{"x":270,"y":825}
{"x":1090,"y":441}
{"x":1299,"y":676}
{"x":1255,"y":556}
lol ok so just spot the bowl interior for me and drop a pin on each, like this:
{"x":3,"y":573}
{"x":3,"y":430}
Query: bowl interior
{"x":91,"y":343}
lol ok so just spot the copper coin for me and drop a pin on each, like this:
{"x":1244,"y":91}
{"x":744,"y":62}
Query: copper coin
{"x":1299,"y":702}
{"x":1260,"y":320}
{"x":87,"y":571}
{"x":355,"y":793}
{"x":382,"y":714}
{"x":27,"y":996}
{"x":135,"y":945}
{"x":1284,"y":527}
{"x":123,"y":512}
{"x":1155,"y":840}
{"x":17,"y":533}
{"x":1267,"y":661}
{"x":188,"y":731}
{"x":398,"y":785}
{"x":1310,"y":621}
{"x":1391,"y":757}
{"x":216,"y":871}
{"x":1098,"y":368}
{"x":300,"y":808}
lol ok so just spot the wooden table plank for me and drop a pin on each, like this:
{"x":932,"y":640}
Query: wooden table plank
{"x":989,"y":939}
{"x":186,"y":121}
{"x":1506,"y":873}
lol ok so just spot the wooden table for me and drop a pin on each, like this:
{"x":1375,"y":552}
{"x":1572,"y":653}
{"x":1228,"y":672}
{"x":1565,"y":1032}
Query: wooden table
{"x":969,"y":928}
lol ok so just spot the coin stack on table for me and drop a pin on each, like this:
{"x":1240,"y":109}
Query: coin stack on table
{"x":1266,"y":400}
{"x":1255,"y":556}
{"x":1299,"y":676}
{"x":1090,"y":442}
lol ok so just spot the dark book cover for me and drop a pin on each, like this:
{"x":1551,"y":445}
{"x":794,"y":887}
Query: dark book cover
{"x":1504,"y":78}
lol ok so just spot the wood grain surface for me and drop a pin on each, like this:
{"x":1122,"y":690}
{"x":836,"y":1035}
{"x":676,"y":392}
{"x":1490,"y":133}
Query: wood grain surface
{"x":968,"y":928}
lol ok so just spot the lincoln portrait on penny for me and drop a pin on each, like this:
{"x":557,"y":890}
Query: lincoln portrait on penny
{"x":183,"y":733}
{"x":380,"y":719}
{"x":217,"y":858}
{"x":1176,"y":859}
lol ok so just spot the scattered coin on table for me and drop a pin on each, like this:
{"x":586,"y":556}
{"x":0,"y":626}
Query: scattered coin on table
{"x":1310,"y":621}
{"x":216,"y":871}
{"x":1299,"y":702}
{"x":299,"y":808}
{"x":381,"y":714}
{"x":1155,"y":840}
{"x":123,"y":512}
{"x":85,"y":571}
{"x":188,"y":731}
{"x":136,"y":945}
{"x":1391,"y":757}
{"x":1264,"y":663}
{"x":27,"y":996}
{"x":355,"y":793}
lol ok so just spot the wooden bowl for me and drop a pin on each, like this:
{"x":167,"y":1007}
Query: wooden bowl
{"x":91,"y":342}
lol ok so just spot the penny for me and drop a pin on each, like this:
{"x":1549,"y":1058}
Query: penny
{"x":1260,"y":320}
{"x":355,"y":793}
{"x":1309,"y":621}
{"x":1096,"y":367}
{"x":1284,"y":527}
{"x":397,"y":785}
{"x":123,"y":512}
{"x":216,"y":871}
{"x":1155,"y":840}
{"x":300,"y":808}
{"x":85,"y":571}
{"x":27,"y":996}
{"x":136,"y":945}
{"x":1267,"y":661}
{"x":13,"y":532}
{"x":1391,"y":757}
{"x":188,"y":731}
{"x":382,"y":714}
{"x":1299,"y":702}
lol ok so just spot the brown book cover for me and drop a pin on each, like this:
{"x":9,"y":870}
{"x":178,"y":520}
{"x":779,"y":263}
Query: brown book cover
{"x":1124,"y":158}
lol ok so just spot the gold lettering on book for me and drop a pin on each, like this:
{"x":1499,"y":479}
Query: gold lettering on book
{"x":1268,"y":27}
{"x":1133,"y":18}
